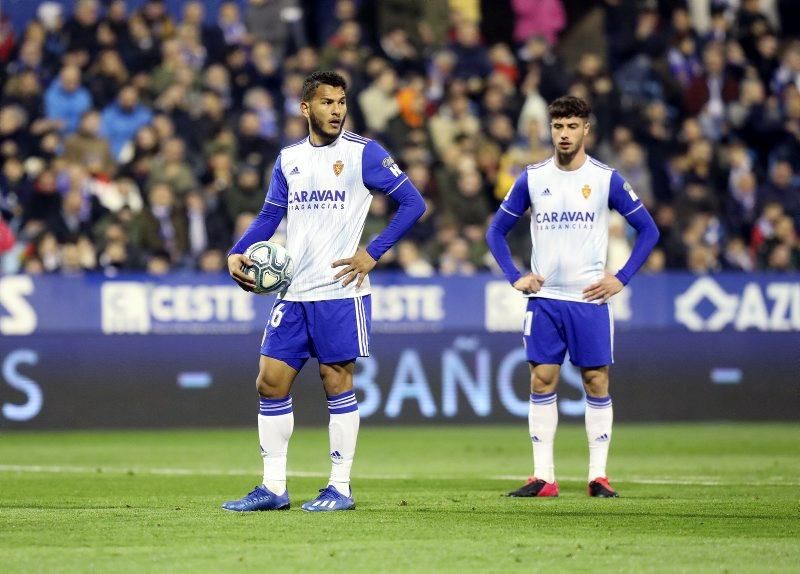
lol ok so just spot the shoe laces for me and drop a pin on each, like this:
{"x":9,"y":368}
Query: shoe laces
{"x":256,"y":492}
{"x":328,"y":493}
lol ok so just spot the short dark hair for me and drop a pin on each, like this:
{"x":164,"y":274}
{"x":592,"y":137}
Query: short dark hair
{"x":569,"y":107}
{"x":316,"y":79}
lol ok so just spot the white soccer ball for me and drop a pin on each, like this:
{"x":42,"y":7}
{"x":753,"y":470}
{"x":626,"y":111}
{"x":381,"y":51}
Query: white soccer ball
{"x":272,"y":267}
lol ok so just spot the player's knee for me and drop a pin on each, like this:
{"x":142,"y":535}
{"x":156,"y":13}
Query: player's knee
{"x":596,"y":383}
{"x":337,"y":383}
{"x":270,"y":389}
{"x":336,"y":379}
{"x":543,"y":385}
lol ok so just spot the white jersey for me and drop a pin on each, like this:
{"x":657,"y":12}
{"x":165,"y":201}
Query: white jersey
{"x":326,"y":191}
{"x":569,"y":222}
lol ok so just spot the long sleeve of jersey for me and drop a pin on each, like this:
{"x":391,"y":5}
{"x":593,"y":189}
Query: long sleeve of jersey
{"x":266,"y":222}
{"x":514,"y":205}
{"x":262,"y":228}
{"x":622,"y":198}
{"x":381,"y":173}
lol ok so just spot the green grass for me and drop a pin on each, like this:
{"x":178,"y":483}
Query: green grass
{"x":694,"y":498}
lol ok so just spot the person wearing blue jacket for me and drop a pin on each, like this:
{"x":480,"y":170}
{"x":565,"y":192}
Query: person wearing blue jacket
{"x":121,"y":120}
{"x":66,"y":100}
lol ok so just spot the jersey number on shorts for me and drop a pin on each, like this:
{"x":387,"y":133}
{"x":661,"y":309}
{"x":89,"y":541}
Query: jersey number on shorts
{"x":527,"y":324}
{"x":277,"y":315}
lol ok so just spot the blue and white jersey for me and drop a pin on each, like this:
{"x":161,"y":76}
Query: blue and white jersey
{"x":569,"y":222}
{"x":326,"y":191}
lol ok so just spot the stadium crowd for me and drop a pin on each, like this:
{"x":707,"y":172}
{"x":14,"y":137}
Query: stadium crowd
{"x":134,"y":140}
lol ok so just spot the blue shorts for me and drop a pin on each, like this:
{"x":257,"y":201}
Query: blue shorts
{"x":333,"y":331}
{"x":553,"y":327}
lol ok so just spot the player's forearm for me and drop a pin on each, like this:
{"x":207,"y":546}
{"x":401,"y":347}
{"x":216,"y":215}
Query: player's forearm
{"x":496,"y":240}
{"x":410,"y":210}
{"x":646,"y":239}
{"x":262,"y":228}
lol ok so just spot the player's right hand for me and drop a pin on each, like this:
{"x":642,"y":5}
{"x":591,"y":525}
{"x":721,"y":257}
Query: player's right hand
{"x":235,"y":263}
{"x":530,"y":283}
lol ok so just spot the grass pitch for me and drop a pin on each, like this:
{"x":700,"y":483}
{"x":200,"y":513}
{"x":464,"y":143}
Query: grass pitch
{"x":694,"y":498}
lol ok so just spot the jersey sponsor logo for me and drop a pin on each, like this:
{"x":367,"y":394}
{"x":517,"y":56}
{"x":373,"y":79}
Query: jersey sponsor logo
{"x":627,"y":187}
{"x":586,"y":190}
{"x":295,"y":171}
{"x":338,"y":166}
{"x":317,"y":199}
{"x":771,"y":307}
{"x":546,"y":192}
{"x":565,"y":219}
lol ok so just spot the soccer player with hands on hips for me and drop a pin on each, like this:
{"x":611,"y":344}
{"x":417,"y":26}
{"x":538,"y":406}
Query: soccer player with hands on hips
{"x":323,"y":185}
{"x":570,"y":197}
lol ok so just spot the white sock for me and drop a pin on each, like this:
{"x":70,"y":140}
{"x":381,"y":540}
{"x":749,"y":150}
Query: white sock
{"x":542,"y":423}
{"x":599,"y":418}
{"x":343,"y":432}
{"x":275,"y":426}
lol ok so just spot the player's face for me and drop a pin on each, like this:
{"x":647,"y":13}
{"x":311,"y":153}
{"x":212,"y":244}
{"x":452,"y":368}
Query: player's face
{"x":568,"y":134}
{"x":326,"y":113}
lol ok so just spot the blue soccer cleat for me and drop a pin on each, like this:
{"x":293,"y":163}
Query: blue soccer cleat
{"x":260,"y":498}
{"x":329,"y":499}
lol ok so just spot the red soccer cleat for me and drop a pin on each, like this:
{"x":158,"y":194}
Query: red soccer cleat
{"x":536,"y":487}
{"x":600,"y":488}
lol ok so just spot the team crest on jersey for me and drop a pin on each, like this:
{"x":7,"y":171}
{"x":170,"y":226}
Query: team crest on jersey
{"x":338,"y":166}
{"x":587,"y":191}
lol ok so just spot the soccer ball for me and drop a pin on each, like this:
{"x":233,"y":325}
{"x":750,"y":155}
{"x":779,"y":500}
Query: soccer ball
{"x":272,"y":267}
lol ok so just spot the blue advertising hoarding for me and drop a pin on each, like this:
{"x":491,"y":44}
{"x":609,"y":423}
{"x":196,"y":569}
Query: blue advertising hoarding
{"x":182,"y":351}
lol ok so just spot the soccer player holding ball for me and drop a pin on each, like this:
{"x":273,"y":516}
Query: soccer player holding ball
{"x":323,"y":185}
{"x":570,"y":196}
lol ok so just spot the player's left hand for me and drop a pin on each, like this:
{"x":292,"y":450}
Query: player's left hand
{"x":604,"y":289}
{"x":355,"y":267}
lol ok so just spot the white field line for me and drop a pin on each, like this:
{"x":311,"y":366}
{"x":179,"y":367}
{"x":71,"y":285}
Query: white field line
{"x":61,"y":469}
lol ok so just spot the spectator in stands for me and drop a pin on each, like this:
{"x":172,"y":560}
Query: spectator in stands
{"x":116,"y":21}
{"x":157,"y":19}
{"x":81,"y":31}
{"x":411,"y":260}
{"x":45,"y":202}
{"x":546,"y":19}
{"x":245,"y":195}
{"x":783,"y":189}
{"x":117,"y":195}
{"x":66,"y":100}
{"x":211,"y":36}
{"x":212,"y":261}
{"x":72,"y":220}
{"x":472,"y":57}
{"x":378,"y":102}
{"x":275,"y":22}
{"x":163,"y":227}
{"x":87,"y":147}
{"x":233,"y":29}
{"x":16,"y":189}
{"x":141,"y":53}
{"x":456,"y":259}
{"x":170,"y":167}
{"x":713,"y":127}
{"x":455,"y":118}
{"x":122,"y":119}
{"x":106,"y":77}
{"x":781,"y":251}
